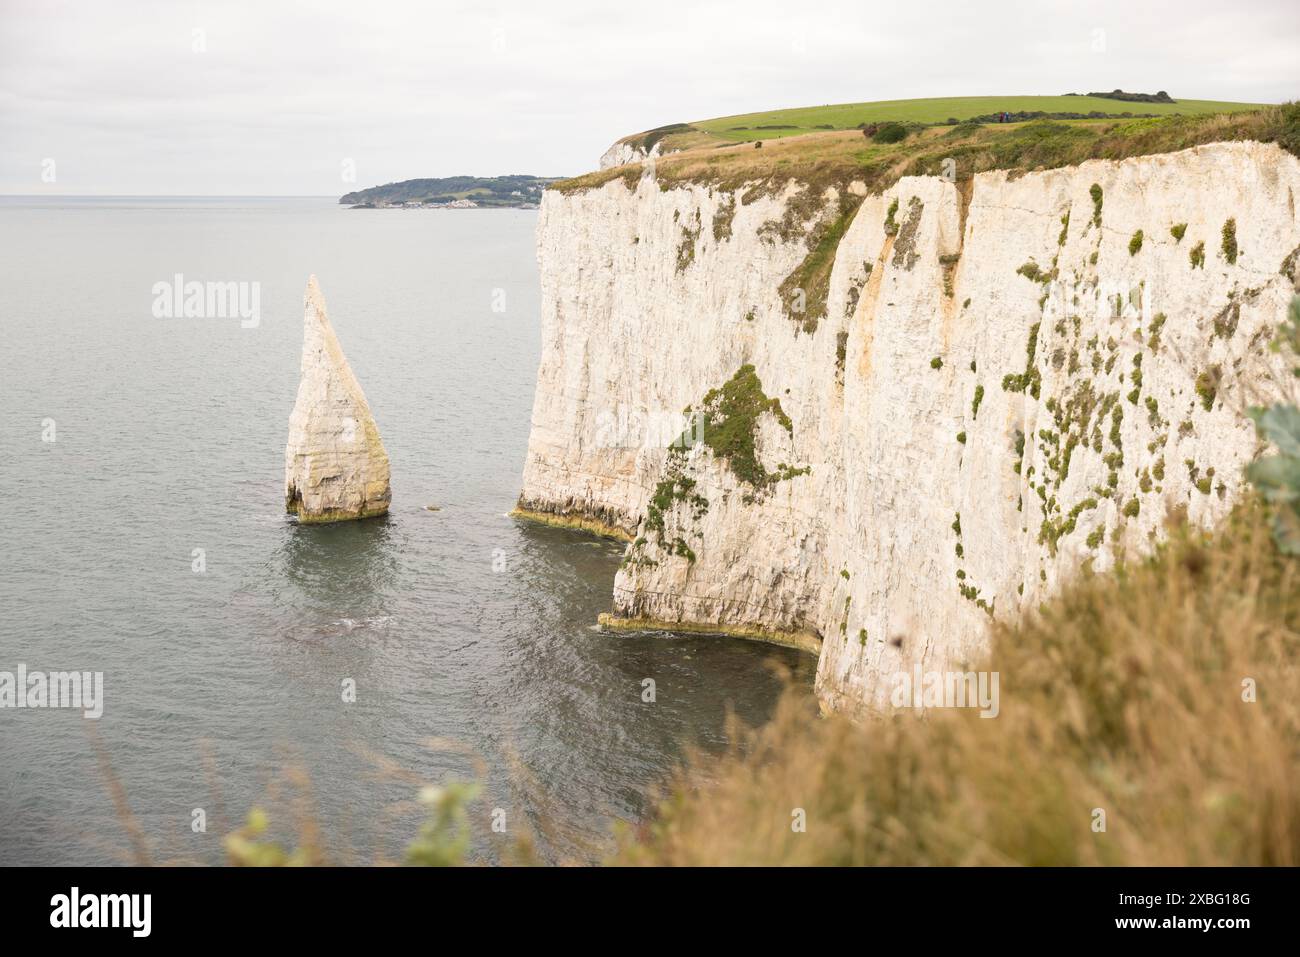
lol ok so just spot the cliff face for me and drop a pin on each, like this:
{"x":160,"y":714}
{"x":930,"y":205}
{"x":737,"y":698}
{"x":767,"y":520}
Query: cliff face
{"x":335,"y":465}
{"x":1004,"y":382}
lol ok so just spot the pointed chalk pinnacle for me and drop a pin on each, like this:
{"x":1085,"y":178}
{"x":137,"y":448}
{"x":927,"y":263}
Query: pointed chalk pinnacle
{"x":335,"y":466}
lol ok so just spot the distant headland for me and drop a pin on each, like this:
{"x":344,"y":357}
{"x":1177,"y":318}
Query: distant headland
{"x":453,"y":192}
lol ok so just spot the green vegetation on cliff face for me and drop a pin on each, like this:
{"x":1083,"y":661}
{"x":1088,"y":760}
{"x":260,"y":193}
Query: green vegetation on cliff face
{"x":514,"y":190}
{"x":729,"y":422}
{"x":805,"y":290}
{"x":1145,"y":717}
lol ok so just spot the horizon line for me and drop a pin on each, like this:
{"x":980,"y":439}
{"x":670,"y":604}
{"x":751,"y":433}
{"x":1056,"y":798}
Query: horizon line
{"x":169,"y":195}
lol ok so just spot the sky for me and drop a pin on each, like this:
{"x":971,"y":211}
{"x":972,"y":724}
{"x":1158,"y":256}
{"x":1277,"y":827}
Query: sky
{"x":144,"y":97}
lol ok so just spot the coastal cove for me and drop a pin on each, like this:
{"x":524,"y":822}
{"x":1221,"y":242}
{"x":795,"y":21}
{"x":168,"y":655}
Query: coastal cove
{"x":470,"y":635}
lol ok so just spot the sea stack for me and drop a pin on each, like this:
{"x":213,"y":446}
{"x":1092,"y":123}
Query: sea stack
{"x":335,"y":466}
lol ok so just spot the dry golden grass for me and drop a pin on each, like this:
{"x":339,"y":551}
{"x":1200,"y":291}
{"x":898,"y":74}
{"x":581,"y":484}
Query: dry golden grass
{"x":1126,"y":694}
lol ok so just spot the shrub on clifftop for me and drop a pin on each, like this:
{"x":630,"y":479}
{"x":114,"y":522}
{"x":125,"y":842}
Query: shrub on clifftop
{"x":890,"y":133}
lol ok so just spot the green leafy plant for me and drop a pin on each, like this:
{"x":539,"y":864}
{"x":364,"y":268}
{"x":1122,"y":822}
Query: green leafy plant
{"x":891,"y":225}
{"x":443,"y":838}
{"x":729,"y":426}
{"x":1277,"y":477}
{"x":1033,"y":273}
{"x":890,"y":133}
{"x":1229,"y":241}
{"x":1288,"y":335}
{"x":250,"y":847}
{"x":1157,"y":323}
{"x":1207,"y":387}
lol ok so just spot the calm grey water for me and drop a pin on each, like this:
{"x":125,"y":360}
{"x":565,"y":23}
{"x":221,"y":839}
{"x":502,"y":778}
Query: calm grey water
{"x":221,"y":686}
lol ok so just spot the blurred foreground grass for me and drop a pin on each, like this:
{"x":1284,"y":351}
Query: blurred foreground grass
{"x":1167,"y":695}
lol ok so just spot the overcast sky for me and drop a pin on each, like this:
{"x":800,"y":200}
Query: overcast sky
{"x":275,"y":97}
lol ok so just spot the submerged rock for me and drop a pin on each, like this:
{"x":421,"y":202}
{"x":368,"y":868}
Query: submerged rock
{"x":335,"y":466}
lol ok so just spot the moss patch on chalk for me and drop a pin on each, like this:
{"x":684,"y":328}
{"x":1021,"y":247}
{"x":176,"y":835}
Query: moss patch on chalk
{"x":802,"y":640}
{"x":584,"y":523}
{"x":804,"y":292}
{"x":729,"y":419}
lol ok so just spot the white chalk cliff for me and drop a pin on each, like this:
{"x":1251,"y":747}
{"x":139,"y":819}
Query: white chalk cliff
{"x":622,"y":152}
{"x":335,"y":466}
{"x":1005,"y":384}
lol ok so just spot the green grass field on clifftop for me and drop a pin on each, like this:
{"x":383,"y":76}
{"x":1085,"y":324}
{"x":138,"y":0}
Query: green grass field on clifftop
{"x":837,"y":157}
{"x":800,"y":121}
{"x":845,"y":116}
